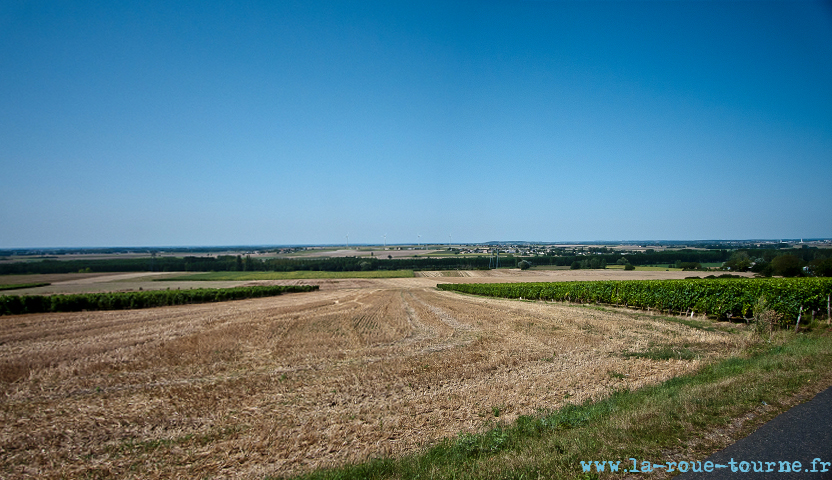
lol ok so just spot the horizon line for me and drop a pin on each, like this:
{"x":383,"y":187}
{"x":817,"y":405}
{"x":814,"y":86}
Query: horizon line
{"x":490,"y":242}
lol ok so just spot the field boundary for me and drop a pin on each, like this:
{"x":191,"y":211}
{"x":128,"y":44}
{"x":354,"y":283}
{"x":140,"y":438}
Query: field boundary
{"x":295,"y":275}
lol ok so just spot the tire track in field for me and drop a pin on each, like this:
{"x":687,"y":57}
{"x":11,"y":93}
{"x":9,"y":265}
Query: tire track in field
{"x":419,"y":331}
{"x":461,"y":334}
{"x":446,"y":317}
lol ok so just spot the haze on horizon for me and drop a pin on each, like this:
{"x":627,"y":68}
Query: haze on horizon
{"x":278,"y":123}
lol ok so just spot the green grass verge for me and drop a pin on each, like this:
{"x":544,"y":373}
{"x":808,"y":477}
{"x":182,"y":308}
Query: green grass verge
{"x":24,"y":285}
{"x":644,"y":424}
{"x":298,"y":275}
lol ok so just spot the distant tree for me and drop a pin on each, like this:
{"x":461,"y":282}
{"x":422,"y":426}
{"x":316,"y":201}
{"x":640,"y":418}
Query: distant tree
{"x":762,"y":267}
{"x":787,"y":265}
{"x":524,"y":264}
{"x":821,"y":267}
{"x":629,"y":267}
{"x":738,"y":262}
{"x":576,"y":265}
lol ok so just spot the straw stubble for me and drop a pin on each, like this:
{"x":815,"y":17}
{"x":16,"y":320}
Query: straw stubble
{"x":291,"y":383}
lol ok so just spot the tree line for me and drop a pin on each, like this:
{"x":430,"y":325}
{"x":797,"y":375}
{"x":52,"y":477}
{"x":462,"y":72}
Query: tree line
{"x":790,"y":263}
{"x":231,"y":263}
{"x":767,"y":262}
{"x":649,"y":257}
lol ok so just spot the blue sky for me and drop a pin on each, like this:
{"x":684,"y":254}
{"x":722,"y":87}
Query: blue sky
{"x":229,"y":123}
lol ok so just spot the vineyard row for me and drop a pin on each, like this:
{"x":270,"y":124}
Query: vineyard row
{"x":19,"y":304}
{"x":720,"y":298}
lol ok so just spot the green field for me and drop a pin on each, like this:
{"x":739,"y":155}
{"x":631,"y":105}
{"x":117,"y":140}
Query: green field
{"x":298,"y":275}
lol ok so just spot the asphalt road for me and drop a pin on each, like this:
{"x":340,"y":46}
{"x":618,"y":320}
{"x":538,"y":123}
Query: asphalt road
{"x":801,"y":434}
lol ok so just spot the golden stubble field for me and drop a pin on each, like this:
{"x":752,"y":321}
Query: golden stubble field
{"x":286,"y":384}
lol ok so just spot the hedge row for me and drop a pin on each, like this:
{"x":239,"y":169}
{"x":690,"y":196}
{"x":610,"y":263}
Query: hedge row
{"x":18,"y":286}
{"x":19,"y":304}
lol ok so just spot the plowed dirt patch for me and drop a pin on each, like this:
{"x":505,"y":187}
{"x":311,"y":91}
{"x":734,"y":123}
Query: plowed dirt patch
{"x":286,"y":384}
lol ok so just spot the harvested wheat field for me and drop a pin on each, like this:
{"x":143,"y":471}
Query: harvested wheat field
{"x":286,"y":384}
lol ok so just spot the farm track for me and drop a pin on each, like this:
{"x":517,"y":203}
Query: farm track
{"x":284,"y":384}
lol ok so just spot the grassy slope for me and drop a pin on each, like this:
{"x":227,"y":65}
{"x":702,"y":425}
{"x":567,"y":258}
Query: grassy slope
{"x":672,"y":421}
{"x":299,"y":275}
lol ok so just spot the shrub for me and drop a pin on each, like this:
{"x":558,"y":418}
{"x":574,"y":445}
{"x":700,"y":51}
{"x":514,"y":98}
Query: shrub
{"x":821,"y":267}
{"x":765,"y":319}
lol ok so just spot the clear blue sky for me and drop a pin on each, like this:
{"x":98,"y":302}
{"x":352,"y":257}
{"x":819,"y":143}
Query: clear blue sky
{"x":228,"y":123}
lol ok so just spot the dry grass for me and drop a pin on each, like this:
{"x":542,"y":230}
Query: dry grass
{"x":290,"y":383}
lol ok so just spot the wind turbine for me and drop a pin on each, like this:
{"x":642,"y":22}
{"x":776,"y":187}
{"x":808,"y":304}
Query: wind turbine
{"x":419,"y":243}
{"x":348,"y":241}
{"x":385,"y":241}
